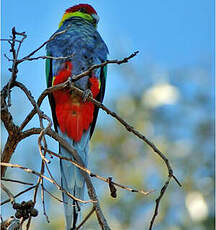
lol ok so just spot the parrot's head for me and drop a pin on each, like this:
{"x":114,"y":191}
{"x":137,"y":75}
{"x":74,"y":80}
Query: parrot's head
{"x":83,"y":11}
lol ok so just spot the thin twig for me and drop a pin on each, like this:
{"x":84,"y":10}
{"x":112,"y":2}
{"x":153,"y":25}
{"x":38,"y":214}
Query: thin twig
{"x":56,"y":198}
{"x":20,"y":193}
{"x":41,"y":116}
{"x":36,"y":191}
{"x":24,"y":36}
{"x":8,"y":39}
{"x":43,"y":203}
{"x":86,"y":73}
{"x":162,"y":192}
{"x":7,"y":191}
{"x":45,"y":177}
{"x":86,"y":218}
{"x":42,"y":136}
{"x":9,"y":59}
{"x":14,"y":66}
{"x":16,"y":181}
{"x":41,"y":46}
{"x":49,"y":57}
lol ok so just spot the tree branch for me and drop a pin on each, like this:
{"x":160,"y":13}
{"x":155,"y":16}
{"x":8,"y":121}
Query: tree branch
{"x":7,"y":191}
{"x":45,"y":177}
{"x":16,"y":181}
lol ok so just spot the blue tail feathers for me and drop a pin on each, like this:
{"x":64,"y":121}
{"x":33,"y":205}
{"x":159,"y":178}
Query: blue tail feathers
{"x":72,"y":180}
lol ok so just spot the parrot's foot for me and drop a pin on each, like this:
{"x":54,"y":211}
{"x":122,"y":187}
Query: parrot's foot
{"x":70,"y":80}
{"x":86,"y":94}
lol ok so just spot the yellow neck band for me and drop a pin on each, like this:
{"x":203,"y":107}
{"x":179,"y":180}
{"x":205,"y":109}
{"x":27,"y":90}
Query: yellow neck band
{"x":76,"y":14}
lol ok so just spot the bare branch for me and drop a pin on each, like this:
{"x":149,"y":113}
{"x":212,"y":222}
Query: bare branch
{"x":8,"y":40}
{"x":14,"y":69}
{"x":13,"y":134}
{"x":87,"y":72}
{"x":41,"y":46}
{"x":41,"y":116}
{"x":7,"y":191}
{"x":16,"y":181}
{"x":86,"y":218}
{"x":9,"y":59}
{"x":162,"y":192}
{"x":45,"y":177}
{"x":43,"y":203}
{"x":49,"y":57}
{"x":26,"y":190}
{"x":55,"y":197}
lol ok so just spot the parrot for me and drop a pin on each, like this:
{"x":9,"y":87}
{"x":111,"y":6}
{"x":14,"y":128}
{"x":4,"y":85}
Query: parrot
{"x":74,"y":117}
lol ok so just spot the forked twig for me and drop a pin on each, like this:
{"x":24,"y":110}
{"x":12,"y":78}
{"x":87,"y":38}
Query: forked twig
{"x":8,"y":192}
{"x":86,"y":218}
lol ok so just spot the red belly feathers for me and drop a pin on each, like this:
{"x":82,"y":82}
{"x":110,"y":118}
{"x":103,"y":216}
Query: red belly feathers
{"x":74,"y":116}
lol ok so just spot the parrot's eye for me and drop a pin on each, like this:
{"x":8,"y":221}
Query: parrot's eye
{"x":94,"y":21}
{"x":83,"y":10}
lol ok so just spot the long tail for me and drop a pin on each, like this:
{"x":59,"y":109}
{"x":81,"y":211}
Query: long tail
{"x":72,"y":180}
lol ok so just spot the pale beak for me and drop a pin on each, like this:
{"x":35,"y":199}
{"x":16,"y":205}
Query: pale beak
{"x":95,"y":18}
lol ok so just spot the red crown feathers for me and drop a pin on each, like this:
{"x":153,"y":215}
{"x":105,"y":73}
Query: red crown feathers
{"x":89,"y":9}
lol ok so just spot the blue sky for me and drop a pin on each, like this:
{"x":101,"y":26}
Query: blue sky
{"x":171,"y":33}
